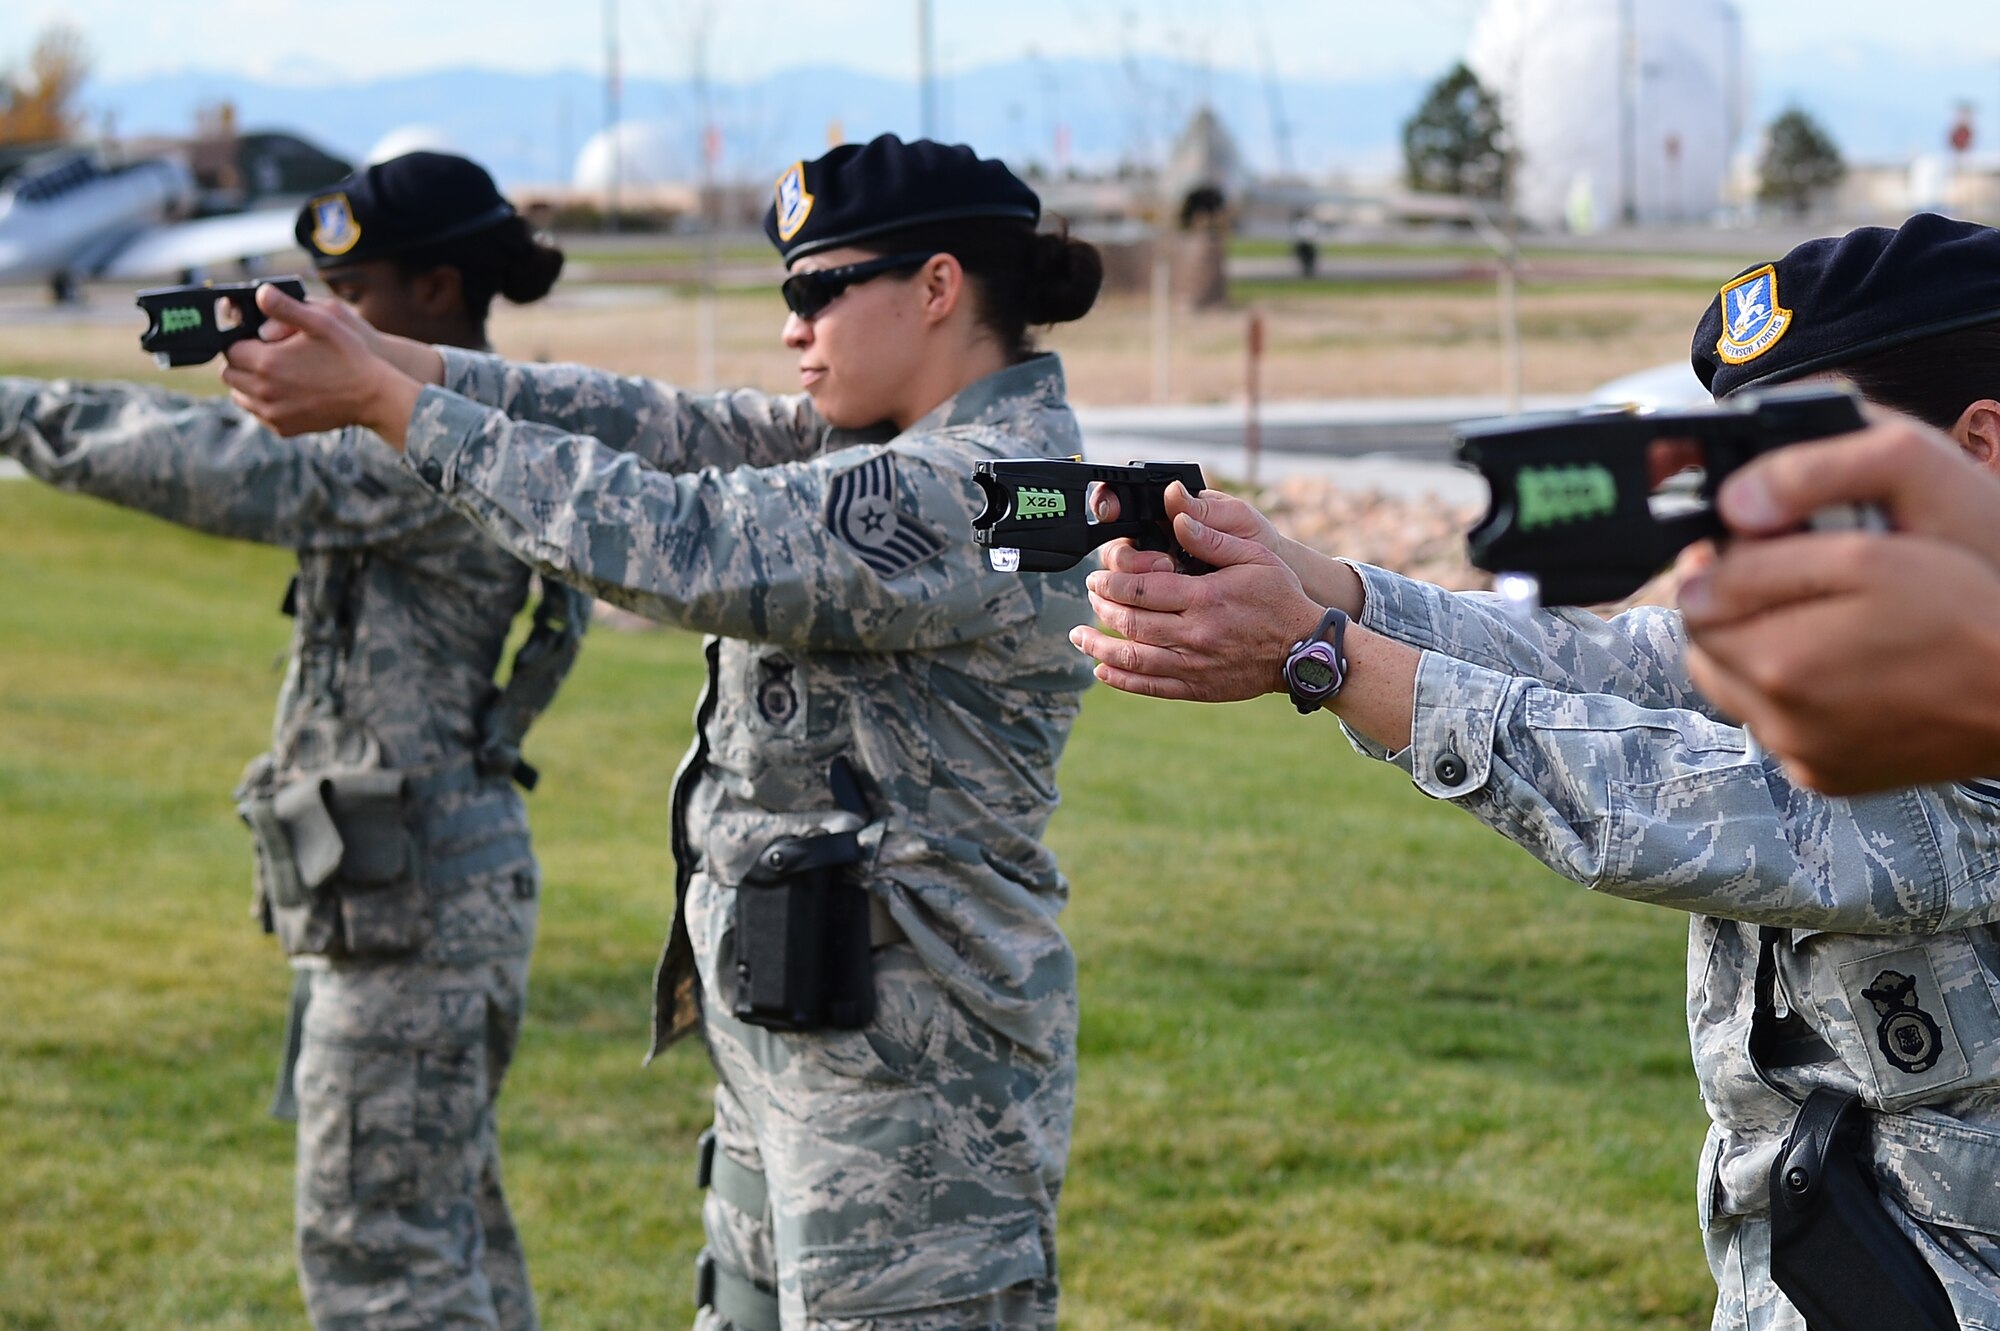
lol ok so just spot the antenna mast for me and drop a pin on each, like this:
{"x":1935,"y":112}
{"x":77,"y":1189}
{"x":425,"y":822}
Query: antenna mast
{"x":1281,"y":128}
{"x":926,"y":83}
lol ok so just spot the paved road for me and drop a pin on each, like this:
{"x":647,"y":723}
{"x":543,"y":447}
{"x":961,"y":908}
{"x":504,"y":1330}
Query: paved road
{"x":1412,"y":429}
{"x":1400,"y":446}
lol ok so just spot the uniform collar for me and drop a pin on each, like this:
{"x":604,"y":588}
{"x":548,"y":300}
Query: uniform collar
{"x":1035,"y":384}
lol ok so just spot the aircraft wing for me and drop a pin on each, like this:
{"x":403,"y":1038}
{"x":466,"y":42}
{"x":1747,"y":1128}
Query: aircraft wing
{"x":173,"y":248}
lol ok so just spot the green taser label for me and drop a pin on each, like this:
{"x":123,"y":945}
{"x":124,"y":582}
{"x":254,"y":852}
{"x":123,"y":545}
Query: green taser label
{"x":1039,"y":504}
{"x":1549,"y":495}
{"x":179,"y":319}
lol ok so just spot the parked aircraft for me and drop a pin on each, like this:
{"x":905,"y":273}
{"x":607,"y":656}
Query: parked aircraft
{"x":75,"y":214}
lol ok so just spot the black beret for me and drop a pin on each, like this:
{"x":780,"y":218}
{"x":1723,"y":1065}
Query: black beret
{"x":1839,"y":299}
{"x":859,"y":190}
{"x":393,"y":207}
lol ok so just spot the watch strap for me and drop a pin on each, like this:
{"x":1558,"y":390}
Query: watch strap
{"x":1311,"y":700}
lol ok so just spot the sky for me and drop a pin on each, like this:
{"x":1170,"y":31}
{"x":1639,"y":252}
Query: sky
{"x":747,"y":39}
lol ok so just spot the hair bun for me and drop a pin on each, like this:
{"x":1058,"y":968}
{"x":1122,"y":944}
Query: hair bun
{"x":1063,"y":279}
{"x":530,"y":265}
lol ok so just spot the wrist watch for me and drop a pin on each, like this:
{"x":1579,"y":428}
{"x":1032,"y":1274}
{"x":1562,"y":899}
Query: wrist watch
{"x":1316,"y":668}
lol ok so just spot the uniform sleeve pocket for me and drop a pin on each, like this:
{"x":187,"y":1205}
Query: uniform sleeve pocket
{"x":1694,"y":840}
{"x":1553,"y":709}
{"x":946,"y":1265}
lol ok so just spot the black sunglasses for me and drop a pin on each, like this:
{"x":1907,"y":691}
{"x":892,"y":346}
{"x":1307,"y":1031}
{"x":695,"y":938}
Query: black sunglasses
{"x":807,"y":294}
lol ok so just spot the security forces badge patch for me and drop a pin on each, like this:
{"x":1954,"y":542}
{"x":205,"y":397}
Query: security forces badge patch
{"x":1908,"y":1035}
{"x":1752,"y":319}
{"x":794,"y":204}
{"x":1903,"y":1018}
{"x":334,"y":229}
{"x":777,"y":695}
{"x":861,"y":511}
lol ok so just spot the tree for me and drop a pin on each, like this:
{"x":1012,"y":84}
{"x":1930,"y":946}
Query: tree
{"x":1456,"y":141}
{"x":39,"y":104}
{"x":1800,"y":160}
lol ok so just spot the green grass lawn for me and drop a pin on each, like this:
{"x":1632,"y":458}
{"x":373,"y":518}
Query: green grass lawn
{"x":1348,"y":1060}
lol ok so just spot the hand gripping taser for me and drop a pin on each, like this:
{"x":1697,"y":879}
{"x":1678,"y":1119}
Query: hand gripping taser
{"x":1039,"y":517}
{"x":190,"y":324}
{"x":1576,"y":516}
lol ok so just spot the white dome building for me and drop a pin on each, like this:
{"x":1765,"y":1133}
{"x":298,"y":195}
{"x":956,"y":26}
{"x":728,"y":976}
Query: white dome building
{"x":1619,"y":108}
{"x":633,"y":154}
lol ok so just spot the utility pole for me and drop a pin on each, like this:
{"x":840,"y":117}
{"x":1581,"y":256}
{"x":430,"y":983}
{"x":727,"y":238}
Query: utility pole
{"x":611,"y":112}
{"x":707,"y":307}
{"x":565,"y":150}
{"x":1504,"y":241}
{"x":1628,"y":114}
{"x":1281,"y":128}
{"x":1510,"y":297}
{"x":927,"y":92}
{"x":1253,"y":364}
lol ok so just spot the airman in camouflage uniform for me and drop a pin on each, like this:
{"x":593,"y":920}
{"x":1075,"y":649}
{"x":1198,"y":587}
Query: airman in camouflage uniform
{"x":870,"y":678}
{"x":914,"y":1164}
{"x":1586,"y":742}
{"x":411,"y":950}
{"x":393,"y":858}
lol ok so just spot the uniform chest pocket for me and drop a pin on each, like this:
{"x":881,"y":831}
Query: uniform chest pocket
{"x":780,"y":718}
{"x":1919,"y":1015}
{"x":763,"y":705}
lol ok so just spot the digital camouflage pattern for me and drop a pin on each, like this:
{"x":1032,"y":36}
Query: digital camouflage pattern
{"x":852,"y":614}
{"x":915,"y":1165}
{"x":402,"y":611}
{"x":1584,"y":741}
{"x":403,"y":1222}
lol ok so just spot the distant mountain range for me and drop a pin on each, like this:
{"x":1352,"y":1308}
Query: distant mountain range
{"x":529,"y":128}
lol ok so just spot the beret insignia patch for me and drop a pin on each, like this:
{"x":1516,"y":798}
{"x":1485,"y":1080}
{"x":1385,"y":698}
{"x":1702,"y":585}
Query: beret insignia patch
{"x":334,"y":229}
{"x":861,"y":511}
{"x":794,"y":204}
{"x":1752,"y":319}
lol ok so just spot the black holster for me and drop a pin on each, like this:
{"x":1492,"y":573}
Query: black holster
{"x":1835,"y":1252}
{"x":803,"y":958}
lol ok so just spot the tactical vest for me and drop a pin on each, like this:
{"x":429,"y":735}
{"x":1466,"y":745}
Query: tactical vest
{"x":340,"y":859}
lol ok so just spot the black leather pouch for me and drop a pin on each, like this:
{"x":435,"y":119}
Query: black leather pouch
{"x":803,"y":959}
{"x":1835,"y":1252}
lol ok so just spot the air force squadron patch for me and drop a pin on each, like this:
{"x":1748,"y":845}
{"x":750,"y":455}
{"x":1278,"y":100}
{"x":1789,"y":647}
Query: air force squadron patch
{"x":861,"y":511}
{"x":1752,"y":319}
{"x":794,"y":204}
{"x":334,"y":229}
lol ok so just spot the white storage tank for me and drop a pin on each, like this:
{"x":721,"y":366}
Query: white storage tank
{"x":631,"y":154}
{"x":1621,"y":109}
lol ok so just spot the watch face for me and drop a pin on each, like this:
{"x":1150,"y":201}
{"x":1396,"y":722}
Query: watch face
{"x":1312,"y":674}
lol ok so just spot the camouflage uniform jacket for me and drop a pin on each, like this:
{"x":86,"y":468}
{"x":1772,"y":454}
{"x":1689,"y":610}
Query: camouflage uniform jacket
{"x":1584,"y":741}
{"x":851,"y":614}
{"x":401,"y":614}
